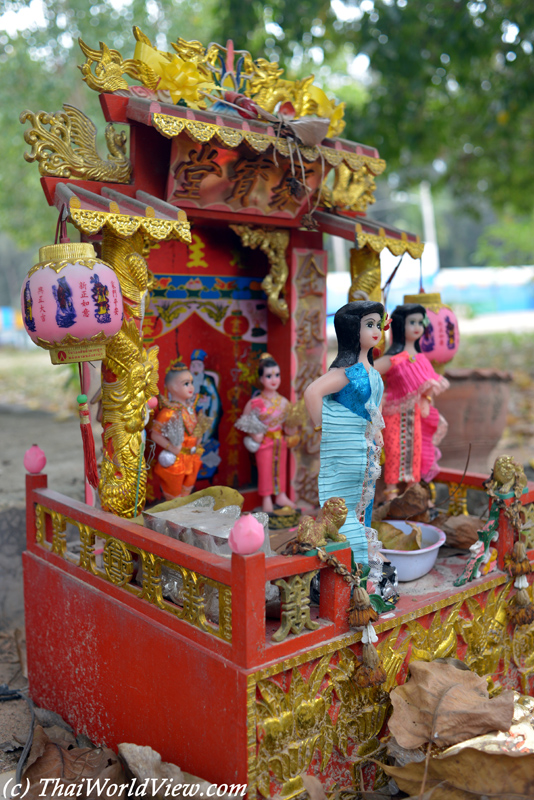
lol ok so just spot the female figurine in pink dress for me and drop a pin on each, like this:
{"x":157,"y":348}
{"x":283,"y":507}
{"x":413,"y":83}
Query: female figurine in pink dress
{"x":414,"y":426}
{"x":263,"y":419}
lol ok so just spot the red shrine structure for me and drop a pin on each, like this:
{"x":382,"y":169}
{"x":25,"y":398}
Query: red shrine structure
{"x":211,"y":211}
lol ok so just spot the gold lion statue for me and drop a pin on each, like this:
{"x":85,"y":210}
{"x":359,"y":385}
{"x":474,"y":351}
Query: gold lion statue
{"x":329,"y":520}
{"x":507,"y":476}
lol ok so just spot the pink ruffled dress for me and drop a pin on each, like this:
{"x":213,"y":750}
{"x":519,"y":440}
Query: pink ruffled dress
{"x":410,"y":440}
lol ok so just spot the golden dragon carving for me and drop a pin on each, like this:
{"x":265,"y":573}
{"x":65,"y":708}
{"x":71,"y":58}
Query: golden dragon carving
{"x":129,"y":379}
{"x":110,"y":67}
{"x":105,"y":68}
{"x":365,"y":274}
{"x":64,"y":145}
{"x":123,"y":472}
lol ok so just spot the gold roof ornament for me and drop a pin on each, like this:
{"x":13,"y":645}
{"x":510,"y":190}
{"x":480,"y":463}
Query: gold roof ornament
{"x":64,"y":145}
{"x":201,"y":76}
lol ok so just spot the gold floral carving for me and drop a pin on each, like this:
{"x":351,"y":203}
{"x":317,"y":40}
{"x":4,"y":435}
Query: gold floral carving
{"x":365,"y":274}
{"x":203,"y":132}
{"x":123,"y":225}
{"x":485,"y":633}
{"x":274,"y":243}
{"x":355,"y":161}
{"x":314,"y":715}
{"x":286,"y":748}
{"x":292,"y":726}
{"x":396,"y":246}
{"x":440,"y":640}
{"x":64,"y":145}
{"x":523,"y":649}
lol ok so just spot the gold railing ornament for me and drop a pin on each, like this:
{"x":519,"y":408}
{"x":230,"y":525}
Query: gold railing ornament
{"x":295,"y":594}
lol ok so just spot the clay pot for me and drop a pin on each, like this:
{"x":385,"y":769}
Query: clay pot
{"x":475,"y":408}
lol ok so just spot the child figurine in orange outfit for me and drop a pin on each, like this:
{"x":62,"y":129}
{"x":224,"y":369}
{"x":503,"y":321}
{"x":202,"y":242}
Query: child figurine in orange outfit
{"x":174,"y":429}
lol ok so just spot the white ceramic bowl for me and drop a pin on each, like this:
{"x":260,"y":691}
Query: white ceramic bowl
{"x":412,"y":564}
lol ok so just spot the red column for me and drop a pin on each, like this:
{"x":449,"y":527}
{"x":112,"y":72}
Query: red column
{"x":335,"y":594}
{"x":248,"y":609}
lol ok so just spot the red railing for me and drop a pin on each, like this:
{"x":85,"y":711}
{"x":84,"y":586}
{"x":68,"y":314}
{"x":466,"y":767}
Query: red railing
{"x":250,"y":643}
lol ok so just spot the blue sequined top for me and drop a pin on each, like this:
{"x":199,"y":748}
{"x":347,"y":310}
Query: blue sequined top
{"x":357,"y":392}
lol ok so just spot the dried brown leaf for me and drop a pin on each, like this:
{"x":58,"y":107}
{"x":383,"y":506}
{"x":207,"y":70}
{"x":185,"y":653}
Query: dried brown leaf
{"x":412,"y":504}
{"x":60,"y":736}
{"x":314,"y":787}
{"x":143,"y":764}
{"x":75,"y":766}
{"x":394,"y":539}
{"x":469,"y":774}
{"x":39,"y":742}
{"x":443,"y":704}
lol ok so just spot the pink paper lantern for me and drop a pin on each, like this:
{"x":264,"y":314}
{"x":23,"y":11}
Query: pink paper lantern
{"x":441,"y":338}
{"x":71,"y":303}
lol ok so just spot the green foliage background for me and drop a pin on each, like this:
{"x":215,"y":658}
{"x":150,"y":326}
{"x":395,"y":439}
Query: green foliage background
{"x":448,"y":96}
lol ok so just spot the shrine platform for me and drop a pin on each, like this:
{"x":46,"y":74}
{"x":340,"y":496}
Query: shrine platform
{"x":223,"y":698}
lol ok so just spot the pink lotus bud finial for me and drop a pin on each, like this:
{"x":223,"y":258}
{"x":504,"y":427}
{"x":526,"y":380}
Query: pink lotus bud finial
{"x":34,"y":460}
{"x":246,"y":536}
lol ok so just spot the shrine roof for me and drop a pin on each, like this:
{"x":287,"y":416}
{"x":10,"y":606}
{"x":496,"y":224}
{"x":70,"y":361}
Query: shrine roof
{"x":213,"y":131}
{"x":90,"y":212}
{"x":365,"y":231}
{"x":230,"y":131}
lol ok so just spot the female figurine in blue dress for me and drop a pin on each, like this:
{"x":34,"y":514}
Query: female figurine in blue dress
{"x":345,"y":404}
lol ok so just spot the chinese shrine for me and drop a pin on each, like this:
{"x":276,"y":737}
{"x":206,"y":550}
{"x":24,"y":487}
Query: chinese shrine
{"x":211,"y":211}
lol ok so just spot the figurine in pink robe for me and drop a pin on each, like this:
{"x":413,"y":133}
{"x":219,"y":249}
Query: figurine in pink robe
{"x":414,"y":426}
{"x":263,"y":419}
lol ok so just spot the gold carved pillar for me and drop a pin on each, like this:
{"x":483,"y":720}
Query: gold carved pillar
{"x":309,"y":346}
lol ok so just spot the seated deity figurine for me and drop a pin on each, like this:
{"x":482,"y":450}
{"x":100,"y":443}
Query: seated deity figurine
{"x":414,"y":427}
{"x":268,"y":437}
{"x":176,"y":430}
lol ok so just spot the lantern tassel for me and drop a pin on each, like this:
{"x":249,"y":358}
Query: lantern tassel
{"x":89,"y":455}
